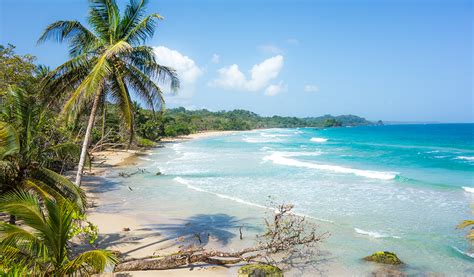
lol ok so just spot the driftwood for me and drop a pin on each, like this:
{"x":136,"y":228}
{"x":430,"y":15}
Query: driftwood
{"x":287,"y":236}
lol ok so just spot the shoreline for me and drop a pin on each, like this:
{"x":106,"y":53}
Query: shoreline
{"x":128,"y":233}
{"x":199,"y":135}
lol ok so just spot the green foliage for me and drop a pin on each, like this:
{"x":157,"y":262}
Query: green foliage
{"x":15,"y":70}
{"x":109,"y":60}
{"x":331,"y":122}
{"x":384,"y":257}
{"x":28,"y":148}
{"x":259,"y":270}
{"x":146,"y":143}
{"x":42,"y":247}
{"x":176,"y":122}
{"x":83,"y":228}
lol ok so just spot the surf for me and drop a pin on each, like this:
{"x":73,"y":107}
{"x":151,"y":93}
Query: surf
{"x":278,"y":158}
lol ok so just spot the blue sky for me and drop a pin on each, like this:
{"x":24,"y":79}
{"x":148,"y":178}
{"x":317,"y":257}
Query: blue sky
{"x":391,"y":60}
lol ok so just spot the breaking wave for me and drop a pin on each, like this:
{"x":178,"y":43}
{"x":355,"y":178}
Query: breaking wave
{"x":278,"y":158}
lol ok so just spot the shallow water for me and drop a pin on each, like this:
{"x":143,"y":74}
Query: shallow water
{"x":400,"y":188}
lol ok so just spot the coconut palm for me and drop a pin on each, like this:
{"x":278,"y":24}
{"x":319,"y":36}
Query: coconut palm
{"x":24,"y":160}
{"x":41,"y":248}
{"x":109,"y":61}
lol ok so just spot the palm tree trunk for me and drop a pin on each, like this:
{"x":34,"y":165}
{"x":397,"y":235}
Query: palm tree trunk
{"x":104,"y":115}
{"x":87,"y":137}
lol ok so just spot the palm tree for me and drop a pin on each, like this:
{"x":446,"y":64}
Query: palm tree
{"x":109,"y":61}
{"x":24,"y":161}
{"x":42,"y":247}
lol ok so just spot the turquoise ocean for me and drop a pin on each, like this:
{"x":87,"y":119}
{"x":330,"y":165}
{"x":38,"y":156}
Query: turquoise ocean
{"x":400,"y":188}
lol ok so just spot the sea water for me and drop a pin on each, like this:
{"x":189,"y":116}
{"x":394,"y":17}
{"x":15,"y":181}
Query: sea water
{"x":399,"y":188}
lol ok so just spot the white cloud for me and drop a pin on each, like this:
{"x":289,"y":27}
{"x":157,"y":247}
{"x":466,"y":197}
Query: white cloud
{"x":215,"y":58}
{"x":311,"y":88}
{"x":270,"y":49}
{"x":261,"y":74}
{"x":273,"y":90}
{"x":188,"y":71}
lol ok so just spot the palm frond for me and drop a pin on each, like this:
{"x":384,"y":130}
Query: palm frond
{"x":145,"y":61}
{"x":97,"y":260}
{"x":58,"y":184}
{"x":143,"y":30}
{"x":65,"y":30}
{"x":17,"y":243}
{"x":59,"y":222}
{"x":9,"y":143}
{"x":145,"y":88}
{"x":104,"y":17}
{"x":25,"y":206}
{"x":132,"y":16}
{"x":124,"y":100}
{"x":92,"y":84}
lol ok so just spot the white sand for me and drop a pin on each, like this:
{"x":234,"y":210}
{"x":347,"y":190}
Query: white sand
{"x":139,"y":241}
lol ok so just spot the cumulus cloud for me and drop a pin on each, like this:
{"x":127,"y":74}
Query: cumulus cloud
{"x":261,"y":75}
{"x":188,"y":72}
{"x":270,"y":49}
{"x":215,"y":58}
{"x":186,"y":68}
{"x":273,"y":90}
{"x":311,"y":88}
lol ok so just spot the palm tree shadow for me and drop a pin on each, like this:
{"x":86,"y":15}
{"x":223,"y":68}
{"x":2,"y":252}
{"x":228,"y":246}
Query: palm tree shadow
{"x":200,"y":228}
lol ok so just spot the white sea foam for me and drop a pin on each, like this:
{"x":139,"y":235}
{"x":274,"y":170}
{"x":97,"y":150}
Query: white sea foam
{"x":471,"y":255}
{"x":273,"y":135}
{"x":145,"y":159}
{"x":468,"y":189}
{"x":235,"y":199}
{"x":318,"y":139}
{"x":280,"y":159}
{"x":466,"y":158}
{"x":188,"y":184}
{"x":296,"y":154}
{"x":374,"y":234}
{"x":260,"y":139}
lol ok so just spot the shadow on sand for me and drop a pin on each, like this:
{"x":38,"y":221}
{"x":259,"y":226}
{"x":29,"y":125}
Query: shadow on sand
{"x":198,"y":229}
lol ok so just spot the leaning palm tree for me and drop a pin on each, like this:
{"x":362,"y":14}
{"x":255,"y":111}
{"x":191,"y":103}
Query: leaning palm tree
{"x":23,"y":160}
{"x":109,"y":61}
{"x":42,"y":247}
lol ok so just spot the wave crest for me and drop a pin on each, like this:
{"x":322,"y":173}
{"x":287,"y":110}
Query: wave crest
{"x":468,"y":189}
{"x":373,"y":234}
{"x":318,"y":139}
{"x":235,"y":199}
{"x":465,"y":158}
{"x":277,"y":158}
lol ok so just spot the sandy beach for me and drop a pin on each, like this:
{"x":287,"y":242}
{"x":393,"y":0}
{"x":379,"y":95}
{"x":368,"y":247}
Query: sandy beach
{"x":128,"y":234}
{"x":198,"y":136}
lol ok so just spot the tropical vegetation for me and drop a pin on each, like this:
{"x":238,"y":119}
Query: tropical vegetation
{"x":108,"y":62}
{"x":43,"y":247}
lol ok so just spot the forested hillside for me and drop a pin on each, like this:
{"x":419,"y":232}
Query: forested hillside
{"x":180,"y":121}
